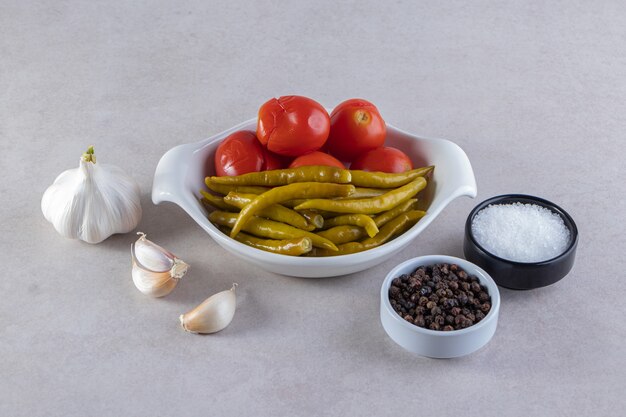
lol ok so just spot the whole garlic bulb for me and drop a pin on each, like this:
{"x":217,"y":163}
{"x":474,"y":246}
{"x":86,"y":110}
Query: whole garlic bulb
{"x":92,"y":202}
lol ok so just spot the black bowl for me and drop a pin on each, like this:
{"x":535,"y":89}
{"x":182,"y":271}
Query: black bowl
{"x":521,"y":275}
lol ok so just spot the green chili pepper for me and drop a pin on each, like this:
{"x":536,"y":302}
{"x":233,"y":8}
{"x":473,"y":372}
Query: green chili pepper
{"x":345,"y":234}
{"x":296,"y":202}
{"x":389,"y":215}
{"x":269,"y":228}
{"x":362,"y":220}
{"x":362,"y":192}
{"x":293,"y":247}
{"x":274,"y":212}
{"x":225,"y":189}
{"x":372,"y":205}
{"x":314,"y":219}
{"x":216,"y":202}
{"x":289,"y":192}
{"x":387,"y":180}
{"x":288,"y":176}
{"x":359,"y":192}
{"x":395,"y":227}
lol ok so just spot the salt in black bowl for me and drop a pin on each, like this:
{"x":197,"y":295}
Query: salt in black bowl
{"x":521,"y":275}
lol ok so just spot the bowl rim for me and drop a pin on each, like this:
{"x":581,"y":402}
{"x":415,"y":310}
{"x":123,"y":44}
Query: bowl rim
{"x":550,"y":205}
{"x":424,"y":260}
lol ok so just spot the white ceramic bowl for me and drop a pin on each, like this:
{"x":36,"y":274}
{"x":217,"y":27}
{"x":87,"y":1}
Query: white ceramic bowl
{"x":181,"y":172}
{"x":435,"y":343}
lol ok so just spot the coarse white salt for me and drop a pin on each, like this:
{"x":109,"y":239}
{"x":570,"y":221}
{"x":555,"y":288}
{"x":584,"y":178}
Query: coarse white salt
{"x":521,"y":232}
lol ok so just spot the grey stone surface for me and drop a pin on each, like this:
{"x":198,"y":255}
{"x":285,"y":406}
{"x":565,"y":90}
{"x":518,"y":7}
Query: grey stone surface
{"x":534,"y":92}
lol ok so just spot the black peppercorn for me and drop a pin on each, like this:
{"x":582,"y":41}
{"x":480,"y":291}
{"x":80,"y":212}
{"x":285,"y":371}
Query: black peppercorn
{"x":394,"y":292}
{"x":462,"y":298}
{"x":465,"y":323}
{"x":448,"y":328}
{"x":433,"y":326}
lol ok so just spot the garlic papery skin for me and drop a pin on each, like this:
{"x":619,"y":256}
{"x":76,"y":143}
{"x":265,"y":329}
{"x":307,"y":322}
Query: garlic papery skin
{"x":213,"y":315}
{"x":92,"y":202}
{"x":156,"y":271}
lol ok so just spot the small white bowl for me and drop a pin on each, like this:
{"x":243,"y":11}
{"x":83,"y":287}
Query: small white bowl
{"x":436,"y":343}
{"x":181,"y":171}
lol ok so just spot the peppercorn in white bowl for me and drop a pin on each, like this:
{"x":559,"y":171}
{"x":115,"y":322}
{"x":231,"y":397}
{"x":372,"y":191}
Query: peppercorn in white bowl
{"x":181,"y":172}
{"x":439,"y":343}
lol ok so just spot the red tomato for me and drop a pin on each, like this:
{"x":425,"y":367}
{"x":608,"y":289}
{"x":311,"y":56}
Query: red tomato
{"x":385,"y":159}
{"x":355,"y":127}
{"x":316,"y":158}
{"x":292,"y":125}
{"x":238,"y":154}
{"x":273,"y":161}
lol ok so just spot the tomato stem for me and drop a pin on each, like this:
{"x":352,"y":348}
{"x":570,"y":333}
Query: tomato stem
{"x":362,"y":116}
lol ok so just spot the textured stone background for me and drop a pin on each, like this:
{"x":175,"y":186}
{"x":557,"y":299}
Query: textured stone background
{"x":533,"y":91}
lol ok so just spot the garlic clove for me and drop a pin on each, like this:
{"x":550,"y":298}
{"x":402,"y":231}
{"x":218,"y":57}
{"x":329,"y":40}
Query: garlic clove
{"x":152,"y":256}
{"x":155,"y":284}
{"x":213,"y":314}
{"x":155,"y":271}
